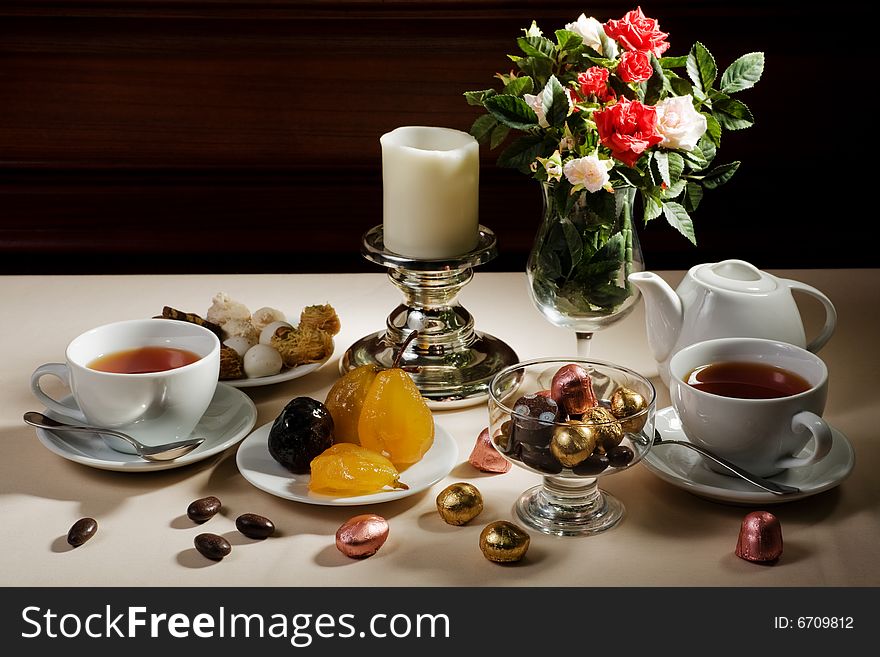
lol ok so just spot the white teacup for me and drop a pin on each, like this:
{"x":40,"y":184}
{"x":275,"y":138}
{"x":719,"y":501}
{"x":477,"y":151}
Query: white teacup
{"x":761,"y":435}
{"x":153,"y":407}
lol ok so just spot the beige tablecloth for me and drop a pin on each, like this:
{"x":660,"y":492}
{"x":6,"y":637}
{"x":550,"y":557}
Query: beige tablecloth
{"x":668,"y":538}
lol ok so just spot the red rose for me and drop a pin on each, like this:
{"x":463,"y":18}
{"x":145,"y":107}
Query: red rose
{"x":594,"y":81}
{"x":634,"y":66}
{"x":637,"y":32}
{"x":627,"y":129}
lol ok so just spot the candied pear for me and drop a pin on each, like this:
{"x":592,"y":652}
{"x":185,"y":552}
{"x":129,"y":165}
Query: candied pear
{"x":352,"y":470}
{"x":395,"y":420}
{"x":346,"y":399}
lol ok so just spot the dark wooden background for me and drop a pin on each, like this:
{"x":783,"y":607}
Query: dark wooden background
{"x":243,"y":135}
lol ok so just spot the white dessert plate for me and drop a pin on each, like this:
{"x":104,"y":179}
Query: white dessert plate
{"x":285,"y":375}
{"x":686,"y":469}
{"x":260,"y":469}
{"x":229,"y":418}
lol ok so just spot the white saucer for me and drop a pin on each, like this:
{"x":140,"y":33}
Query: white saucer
{"x":228,"y":419}
{"x":686,"y":469}
{"x":260,"y":469}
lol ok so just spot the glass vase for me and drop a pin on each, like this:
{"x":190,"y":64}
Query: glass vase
{"x":585,"y":249}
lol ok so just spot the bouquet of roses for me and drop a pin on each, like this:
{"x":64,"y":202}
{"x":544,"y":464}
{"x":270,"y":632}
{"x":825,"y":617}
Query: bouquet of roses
{"x":604,"y":115}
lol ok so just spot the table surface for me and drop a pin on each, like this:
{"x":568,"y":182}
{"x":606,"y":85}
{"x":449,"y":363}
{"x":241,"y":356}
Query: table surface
{"x":668,"y":537}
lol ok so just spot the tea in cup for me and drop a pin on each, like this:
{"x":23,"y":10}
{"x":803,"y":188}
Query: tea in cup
{"x":150,"y":378}
{"x":753,"y":401}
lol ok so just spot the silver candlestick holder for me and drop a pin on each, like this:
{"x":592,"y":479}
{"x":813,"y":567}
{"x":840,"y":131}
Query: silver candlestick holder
{"x":450,"y":362}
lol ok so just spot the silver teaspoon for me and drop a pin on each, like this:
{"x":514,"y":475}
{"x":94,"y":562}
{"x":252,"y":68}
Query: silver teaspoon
{"x":166,"y":452}
{"x":760,"y":482}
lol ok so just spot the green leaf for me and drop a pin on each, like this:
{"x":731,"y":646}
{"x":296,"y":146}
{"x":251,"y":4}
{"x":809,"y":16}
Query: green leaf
{"x":521,"y":153}
{"x":607,"y":296}
{"x":661,"y":158}
{"x":548,"y":262}
{"x":555,"y":102}
{"x":695,"y":159}
{"x":519,"y":86}
{"x":675,"y":189}
{"x":537,"y":46}
{"x":573,"y":242}
{"x":673,"y":62}
{"x":707,"y":146}
{"x":631,"y":176}
{"x":676,"y":166}
{"x":654,"y":85}
{"x":482,"y":127}
{"x":511,"y":111}
{"x":743,"y":73}
{"x":538,"y":68}
{"x":568,"y":40}
{"x":701,"y":68}
{"x":679,"y":219}
{"x":499,"y":134}
{"x":594,"y":57}
{"x":692,"y":197}
{"x":478,"y":97}
{"x":653,"y":206}
{"x":713,"y":129}
{"x":720,"y":175}
{"x":733,"y":114}
{"x":680,"y":86}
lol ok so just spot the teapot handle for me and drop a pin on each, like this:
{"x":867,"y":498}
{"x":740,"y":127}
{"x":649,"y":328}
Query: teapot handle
{"x":830,"y":313}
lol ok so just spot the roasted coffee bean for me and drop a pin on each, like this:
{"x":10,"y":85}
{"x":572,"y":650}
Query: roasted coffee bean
{"x":619,"y":456}
{"x":254,"y":526}
{"x":212,"y":546}
{"x":592,"y":465}
{"x":81,"y":531}
{"x":203,"y":509}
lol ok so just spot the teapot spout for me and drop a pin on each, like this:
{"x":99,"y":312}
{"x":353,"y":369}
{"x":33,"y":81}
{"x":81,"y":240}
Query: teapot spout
{"x":664,"y":313}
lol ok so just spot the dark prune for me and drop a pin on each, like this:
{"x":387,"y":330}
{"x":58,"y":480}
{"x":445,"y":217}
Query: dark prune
{"x":592,"y":465}
{"x":302,"y":431}
{"x":619,"y":456}
{"x":540,"y":458}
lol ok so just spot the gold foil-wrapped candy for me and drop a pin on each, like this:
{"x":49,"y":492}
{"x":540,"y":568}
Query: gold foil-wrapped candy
{"x":503,"y":542}
{"x":573,"y":442}
{"x":606,"y":427}
{"x":626,"y":402}
{"x":459,"y":503}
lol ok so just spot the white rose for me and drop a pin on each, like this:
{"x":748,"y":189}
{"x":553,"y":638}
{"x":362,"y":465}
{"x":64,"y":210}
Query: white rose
{"x":590,"y":171}
{"x":537,"y":106}
{"x":680,"y":125}
{"x":590,"y":30}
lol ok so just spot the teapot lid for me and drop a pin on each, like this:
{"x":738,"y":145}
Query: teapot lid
{"x":735,"y":276}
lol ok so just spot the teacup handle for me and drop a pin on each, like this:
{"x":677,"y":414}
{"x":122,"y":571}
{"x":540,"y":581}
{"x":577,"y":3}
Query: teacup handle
{"x":61,"y":371}
{"x":830,"y":313}
{"x":807,"y":421}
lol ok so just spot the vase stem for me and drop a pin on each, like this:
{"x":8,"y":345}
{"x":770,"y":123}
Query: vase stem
{"x":584,"y":343}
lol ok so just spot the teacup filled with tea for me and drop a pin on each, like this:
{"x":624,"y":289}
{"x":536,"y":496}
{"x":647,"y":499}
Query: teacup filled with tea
{"x":753,"y":401}
{"x":150,"y":378}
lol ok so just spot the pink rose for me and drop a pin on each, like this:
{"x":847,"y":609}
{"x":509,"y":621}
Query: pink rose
{"x":635,"y":31}
{"x":594,"y":82}
{"x":627,"y":129}
{"x":634,"y":66}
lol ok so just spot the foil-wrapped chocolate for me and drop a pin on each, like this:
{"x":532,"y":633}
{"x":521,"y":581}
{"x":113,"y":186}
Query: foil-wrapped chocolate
{"x":608,"y":430}
{"x":572,"y":389}
{"x":573,"y":442}
{"x":459,"y":503}
{"x":760,"y":538}
{"x":362,"y":536}
{"x":533,"y":418}
{"x":485,"y":457}
{"x":625,"y":403}
{"x":503,"y":542}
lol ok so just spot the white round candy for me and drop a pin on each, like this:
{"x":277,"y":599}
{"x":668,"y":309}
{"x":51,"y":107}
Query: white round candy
{"x":267,"y":333}
{"x":262,"y":360}
{"x":240,"y":343}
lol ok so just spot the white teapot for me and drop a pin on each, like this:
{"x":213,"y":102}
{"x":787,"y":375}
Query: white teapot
{"x":731,"y":298}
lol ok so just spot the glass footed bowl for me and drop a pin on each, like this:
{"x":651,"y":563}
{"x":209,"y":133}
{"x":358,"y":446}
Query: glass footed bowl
{"x":569,"y":502}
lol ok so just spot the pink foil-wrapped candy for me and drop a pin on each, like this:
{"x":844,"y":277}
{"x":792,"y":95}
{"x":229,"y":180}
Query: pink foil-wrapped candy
{"x":485,"y":457}
{"x":362,"y":536}
{"x":760,"y":538}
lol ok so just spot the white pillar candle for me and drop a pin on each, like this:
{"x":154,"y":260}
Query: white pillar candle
{"x":430,"y":180}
